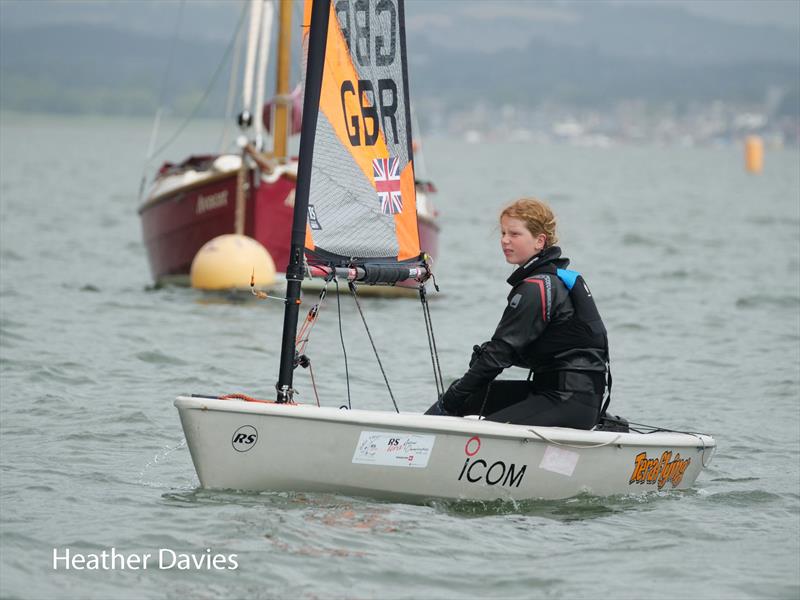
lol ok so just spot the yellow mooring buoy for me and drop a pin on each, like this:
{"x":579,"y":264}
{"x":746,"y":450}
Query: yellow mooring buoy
{"x":228,"y":262}
{"x":754,"y":154}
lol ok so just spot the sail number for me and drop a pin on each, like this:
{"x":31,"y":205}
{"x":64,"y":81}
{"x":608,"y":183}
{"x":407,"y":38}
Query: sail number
{"x":355,"y":27}
{"x":377,"y":104}
{"x":369,"y":120}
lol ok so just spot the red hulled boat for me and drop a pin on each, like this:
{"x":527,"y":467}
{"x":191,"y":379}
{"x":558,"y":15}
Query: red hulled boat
{"x":252,"y":193}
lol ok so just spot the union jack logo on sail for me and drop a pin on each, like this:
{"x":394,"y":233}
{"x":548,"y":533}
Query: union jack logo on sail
{"x":387,"y":184}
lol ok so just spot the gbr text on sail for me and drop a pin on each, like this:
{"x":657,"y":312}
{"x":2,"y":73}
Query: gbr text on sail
{"x":370,"y":105}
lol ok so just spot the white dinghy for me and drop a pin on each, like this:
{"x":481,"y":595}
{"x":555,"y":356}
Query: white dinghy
{"x":411,"y":457}
{"x":355,"y":221}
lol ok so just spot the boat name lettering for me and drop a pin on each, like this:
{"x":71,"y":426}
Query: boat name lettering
{"x":210,"y":202}
{"x":647,"y":471}
{"x":244,"y":438}
{"x":497,"y":473}
{"x":369,"y":122}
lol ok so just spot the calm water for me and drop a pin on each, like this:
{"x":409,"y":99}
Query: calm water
{"x":694,"y":264}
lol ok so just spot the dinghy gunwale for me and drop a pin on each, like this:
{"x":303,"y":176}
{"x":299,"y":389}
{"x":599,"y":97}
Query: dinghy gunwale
{"x":584,"y":439}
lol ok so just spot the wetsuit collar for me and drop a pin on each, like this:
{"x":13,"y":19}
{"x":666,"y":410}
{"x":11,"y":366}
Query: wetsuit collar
{"x":548,"y":256}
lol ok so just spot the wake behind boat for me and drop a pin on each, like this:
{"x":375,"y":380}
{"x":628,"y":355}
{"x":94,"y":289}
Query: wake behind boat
{"x":355,"y":221}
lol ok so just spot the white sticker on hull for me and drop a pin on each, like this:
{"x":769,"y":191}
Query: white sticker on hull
{"x":559,"y":461}
{"x":393,"y":449}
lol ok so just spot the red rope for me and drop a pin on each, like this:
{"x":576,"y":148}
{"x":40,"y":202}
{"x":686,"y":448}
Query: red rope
{"x":244,"y":397}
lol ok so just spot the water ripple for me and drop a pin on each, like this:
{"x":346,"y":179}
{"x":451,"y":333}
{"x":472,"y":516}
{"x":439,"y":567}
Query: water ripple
{"x":760,"y":301}
{"x":156,"y":357}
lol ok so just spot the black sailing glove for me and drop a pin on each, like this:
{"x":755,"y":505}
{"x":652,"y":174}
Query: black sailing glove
{"x":438,"y":410}
{"x":476,"y":353}
{"x":452,"y":402}
{"x":447,"y":405}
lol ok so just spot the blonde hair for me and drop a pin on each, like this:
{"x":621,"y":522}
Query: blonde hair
{"x":537,"y":216}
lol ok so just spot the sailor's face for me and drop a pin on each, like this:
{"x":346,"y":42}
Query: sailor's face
{"x":517,"y":242}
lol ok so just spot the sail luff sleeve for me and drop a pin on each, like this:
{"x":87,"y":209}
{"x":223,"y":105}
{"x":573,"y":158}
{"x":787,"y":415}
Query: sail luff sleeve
{"x":294,"y":271}
{"x":406,"y":90}
{"x":407,"y":229}
{"x":320,"y":12}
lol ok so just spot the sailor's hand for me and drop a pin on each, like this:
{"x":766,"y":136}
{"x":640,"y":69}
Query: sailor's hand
{"x":438,"y":410}
{"x":476,"y":353}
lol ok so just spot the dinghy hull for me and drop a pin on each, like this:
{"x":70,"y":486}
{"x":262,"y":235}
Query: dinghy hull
{"x":414,"y":458}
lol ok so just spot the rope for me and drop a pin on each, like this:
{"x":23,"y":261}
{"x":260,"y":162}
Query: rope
{"x":301,"y":341}
{"x":352,"y":287}
{"x":654,"y":429}
{"x":237,"y":55}
{"x":161,"y":96}
{"x":244,"y":397}
{"x":313,"y":382}
{"x":206,"y":93}
{"x":703,"y":453}
{"x":313,"y":314}
{"x":437,"y":370}
{"x":695,"y":434}
{"x":578,"y":446}
{"x":341,"y":337}
{"x":163,"y":93}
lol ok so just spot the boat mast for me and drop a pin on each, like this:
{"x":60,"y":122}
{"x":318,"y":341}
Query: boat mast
{"x":246,"y":116}
{"x":282,"y":100}
{"x":318,"y":34}
{"x":264,"y":43}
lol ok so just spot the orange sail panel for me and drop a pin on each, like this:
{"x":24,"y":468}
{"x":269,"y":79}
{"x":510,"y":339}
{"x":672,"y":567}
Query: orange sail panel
{"x":362,"y":199}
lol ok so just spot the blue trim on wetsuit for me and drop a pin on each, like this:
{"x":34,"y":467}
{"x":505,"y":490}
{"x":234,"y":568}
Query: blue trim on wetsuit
{"x":568,"y":277}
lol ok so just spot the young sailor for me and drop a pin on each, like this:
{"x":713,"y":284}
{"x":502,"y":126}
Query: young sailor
{"x":550,"y":326}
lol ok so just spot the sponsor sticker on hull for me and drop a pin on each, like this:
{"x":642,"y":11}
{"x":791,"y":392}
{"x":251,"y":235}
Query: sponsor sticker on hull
{"x":393,"y":449}
{"x":489,"y":472}
{"x":559,"y":460}
{"x":659,"y":470}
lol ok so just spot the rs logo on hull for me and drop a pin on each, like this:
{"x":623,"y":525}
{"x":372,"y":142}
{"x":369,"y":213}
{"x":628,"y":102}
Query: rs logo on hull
{"x":244,"y":438}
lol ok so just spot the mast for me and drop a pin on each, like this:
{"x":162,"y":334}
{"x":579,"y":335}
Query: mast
{"x":246,"y":117}
{"x":264,"y":42}
{"x":281,"y":122}
{"x":318,"y":33}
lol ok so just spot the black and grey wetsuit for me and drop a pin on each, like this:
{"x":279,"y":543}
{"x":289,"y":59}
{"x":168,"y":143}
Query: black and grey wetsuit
{"x":552,"y":327}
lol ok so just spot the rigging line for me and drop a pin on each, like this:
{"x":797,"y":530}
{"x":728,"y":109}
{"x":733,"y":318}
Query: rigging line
{"x":437,"y":374}
{"x":174,"y":43}
{"x":655,"y":429}
{"x":341,"y":337}
{"x":313,"y":382}
{"x":237,"y":55}
{"x":301,"y":341}
{"x":161,"y":96}
{"x":207,"y":91}
{"x":438,"y":364}
{"x":352,"y":287}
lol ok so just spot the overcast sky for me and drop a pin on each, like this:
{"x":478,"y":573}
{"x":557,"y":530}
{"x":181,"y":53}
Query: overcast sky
{"x":782,"y":13}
